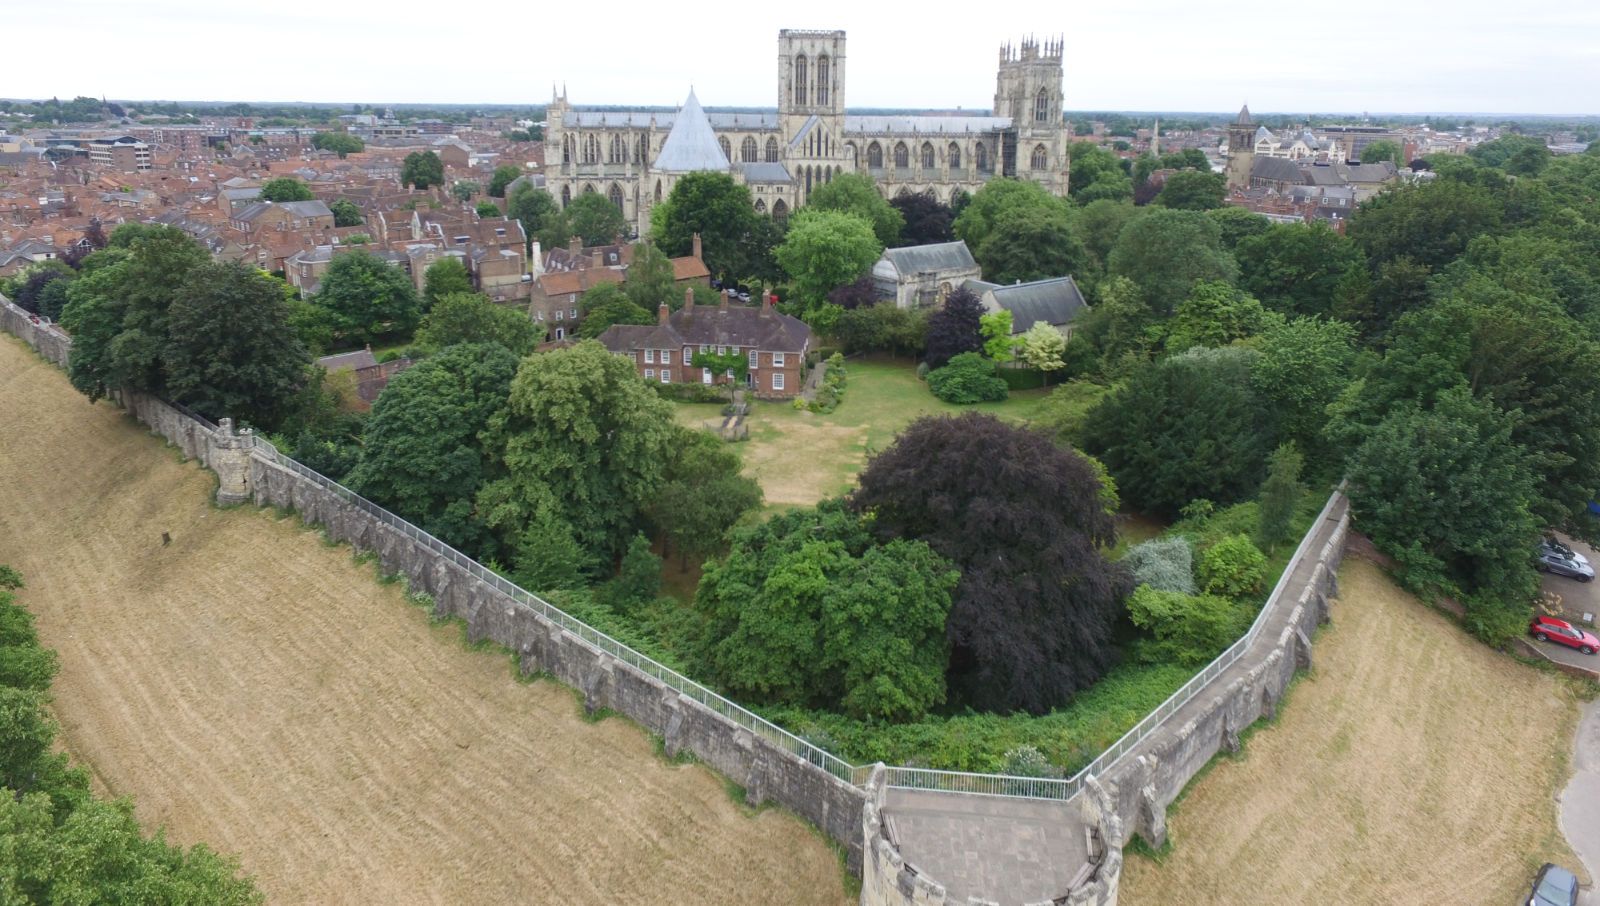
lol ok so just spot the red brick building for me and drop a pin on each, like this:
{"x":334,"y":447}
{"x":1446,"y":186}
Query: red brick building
{"x":774,"y":345}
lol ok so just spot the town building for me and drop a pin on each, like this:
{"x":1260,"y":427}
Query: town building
{"x":921,"y":275}
{"x":635,"y":157}
{"x":772,"y":343}
{"x":1055,"y":301}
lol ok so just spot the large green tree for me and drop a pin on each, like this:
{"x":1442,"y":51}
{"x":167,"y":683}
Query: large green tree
{"x":596,"y":220}
{"x":230,"y":349}
{"x":856,"y":193}
{"x":285,"y":188}
{"x":703,"y":495}
{"x":472,"y":318}
{"x":542,"y":219}
{"x":1193,"y":190}
{"x":421,"y":453}
{"x":585,"y":445}
{"x":345,"y":213}
{"x":651,"y":280}
{"x":608,"y":304}
{"x":1033,"y":618}
{"x":503,"y":175}
{"x":445,"y":277}
{"x":927,"y":219}
{"x":1000,"y":196}
{"x":1189,"y":427}
{"x":1166,"y":252}
{"x":807,"y":609}
{"x":365,"y":298}
{"x":1296,"y":268}
{"x":1031,"y":243}
{"x":117,"y":310}
{"x":422,"y":170}
{"x":1430,"y":223}
{"x":1216,"y":314}
{"x":825,"y":250}
{"x":1305,"y":363}
{"x":714,"y":206}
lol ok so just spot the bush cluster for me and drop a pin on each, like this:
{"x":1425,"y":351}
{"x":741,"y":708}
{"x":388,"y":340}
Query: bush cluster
{"x":831,"y":393}
{"x":969,"y":378}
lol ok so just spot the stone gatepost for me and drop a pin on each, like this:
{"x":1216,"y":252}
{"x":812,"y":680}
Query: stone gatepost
{"x":230,"y":459}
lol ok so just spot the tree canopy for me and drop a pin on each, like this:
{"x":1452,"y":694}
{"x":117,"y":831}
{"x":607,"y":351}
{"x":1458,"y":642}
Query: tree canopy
{"x":856,"y":193}
{"x":342,"y":143}
{"x":447,"y":276}
{"x":285,"y":188}
{"x":954,"y":327}
{"x":345,"y":213}
{"x":503,"y":175}
{"x":714,"y":206}
{"x":1297,"y":268}
{"x":927,"y":219}
{"x":365,"y":298}
{"x":1032,"y":617}
{"x":422,"y":170}
{"x":1166,"y":252}
{"x":1031,"y":243}
{"x":826,"y":249}
{"x":596,"y":220}
{"x":542,"y":219}
{"x":1193,"y":190}
{"x":472,"y":318}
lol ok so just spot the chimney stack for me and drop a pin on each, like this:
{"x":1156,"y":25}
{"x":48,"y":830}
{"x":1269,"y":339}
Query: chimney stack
{"x":766,"y":302}
{"x":695,"y":246}
{"x":662,"y":312}
{"x":575,"y":244}
{"x":688,"y":298}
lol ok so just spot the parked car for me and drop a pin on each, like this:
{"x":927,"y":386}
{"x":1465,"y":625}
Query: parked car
{"x":1550,"y":629}
{"x":1552,"y":544}
{"x":1554,"y":886}
{"x":1552,"y":561}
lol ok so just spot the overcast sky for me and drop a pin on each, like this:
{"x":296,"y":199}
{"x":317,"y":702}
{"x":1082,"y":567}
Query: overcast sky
{"x":1465,"y":56}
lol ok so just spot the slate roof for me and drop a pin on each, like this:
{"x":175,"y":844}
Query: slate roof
{"x":707,"y":325}
{"x":1055,"y":301}
{"x":691,"y":145}
{"x":345,"y":361}
{"x":1243,"y":119}
{"x":1277,"y":169}
{"x":938,"y":256}
{"x":642,"y":119}
{"x":764,"y":172}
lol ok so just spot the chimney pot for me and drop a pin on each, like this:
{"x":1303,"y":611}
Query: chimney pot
{"x":662,"y":313}
{"x":688,"y":298}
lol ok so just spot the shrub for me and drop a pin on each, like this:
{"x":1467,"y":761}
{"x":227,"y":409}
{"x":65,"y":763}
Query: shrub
{"x":1022,"y":378}
{"x":1233,"y":568}
{"x":1189,"y":629}
{"x":1164,"y":564}
{"x":691,"y":393}
{"x":833,"y":384}
{"x":922,"y":371}
{"x":969,"y":378}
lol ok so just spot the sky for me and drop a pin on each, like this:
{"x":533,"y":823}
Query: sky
{"x":1398,"y":57}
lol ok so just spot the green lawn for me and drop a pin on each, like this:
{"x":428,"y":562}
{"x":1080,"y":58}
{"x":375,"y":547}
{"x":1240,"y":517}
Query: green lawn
{"x":802,"y":457}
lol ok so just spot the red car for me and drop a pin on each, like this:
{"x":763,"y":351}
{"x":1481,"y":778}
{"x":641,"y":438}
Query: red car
{"x":1550,"y":629}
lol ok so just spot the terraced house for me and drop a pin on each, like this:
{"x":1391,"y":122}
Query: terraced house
{"x":635,"y":157}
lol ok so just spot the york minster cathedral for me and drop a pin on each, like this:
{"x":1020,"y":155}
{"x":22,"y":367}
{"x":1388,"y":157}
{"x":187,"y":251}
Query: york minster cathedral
{"x":634,"y":158}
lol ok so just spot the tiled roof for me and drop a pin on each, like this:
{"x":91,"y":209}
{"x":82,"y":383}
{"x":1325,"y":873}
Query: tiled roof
{"x":689,"y":268}
{"x":705,"y":325}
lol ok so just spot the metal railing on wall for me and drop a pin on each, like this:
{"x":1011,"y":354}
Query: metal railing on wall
{"x":897,"y":777}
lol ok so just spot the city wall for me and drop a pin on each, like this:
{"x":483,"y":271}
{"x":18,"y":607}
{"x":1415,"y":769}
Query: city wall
{"x":1132,"y":794}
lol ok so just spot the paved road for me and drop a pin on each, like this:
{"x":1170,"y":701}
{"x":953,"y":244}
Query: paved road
{"x":1580,"y":801}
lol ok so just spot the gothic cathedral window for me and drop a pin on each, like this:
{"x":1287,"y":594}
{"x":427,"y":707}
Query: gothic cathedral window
{"x":772,"y":150}
{"x":1041,"y":107}
{"x":800,"y":80}
{"x":747,"y":150}
{"x":902,"y":156}
{"x":954,"y":153}
{"x":1041,"y":158}
{"x":927,"y":156}
{"x":822,"y":80}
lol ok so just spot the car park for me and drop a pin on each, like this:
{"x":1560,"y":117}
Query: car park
{"x":1550,"y":629}
{"x":1554,"y":886}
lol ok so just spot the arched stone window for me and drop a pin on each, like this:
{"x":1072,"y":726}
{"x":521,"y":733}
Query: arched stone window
{"x":619,"y":150}
{"x":954,"y":153}
{"x":928,"y":162}
{"x":980,"y":157}
{"x":588,"y":188}
{"x":640,"y":150}
{"x":772,"y":150}
{"x":761,"y":206}
{"x":615,"y":195}
{"x":808,"y":182}
{"x":780,"y":211}
{"x":902,"y":156}
{"x":566,"y":149}
{"x":727,"y":150}
{"x":658,"y":191}
{"x":1040,"y":159}
{"x":800,"y":80}
{"x":747,"y":150}
{"x":874,"y":156}
{"x":591,"y":149}
{"x":566,"y":196}
{"x":852,"y":152}
{"x":1041,"y":107}
{"x":822,"y":79}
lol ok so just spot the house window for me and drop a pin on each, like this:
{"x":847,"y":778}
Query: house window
{"x":650,"y":356}
{"x":777,"y":360}
{"x":649,"y":374}
{"x":666,"y":375}
{"x":722,"y":350}
{"x":538,"y":316}
{"x":705,"y":375}
{"x":572,"y":313}
{"x":666,"y":357}
{"x":704,"y":349}
{"x":777,"y":380}
{"x":753,"y":356}
{"x":560,"y":315}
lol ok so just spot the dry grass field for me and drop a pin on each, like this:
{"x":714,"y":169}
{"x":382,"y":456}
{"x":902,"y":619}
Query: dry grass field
{"x":1413,"y":766}
{"x":255,"y":689}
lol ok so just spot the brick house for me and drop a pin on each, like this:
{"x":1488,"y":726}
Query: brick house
{"x":775,"y":345}
{"x":553,"y":302}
